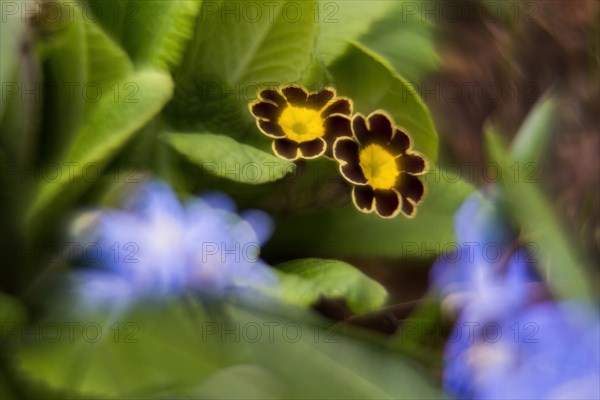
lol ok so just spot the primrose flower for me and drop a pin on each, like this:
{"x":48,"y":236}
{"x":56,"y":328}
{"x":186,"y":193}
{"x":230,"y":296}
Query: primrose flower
{"x":379,"y":164}
{"x":303,"y":124}
{"x":158,"y":247}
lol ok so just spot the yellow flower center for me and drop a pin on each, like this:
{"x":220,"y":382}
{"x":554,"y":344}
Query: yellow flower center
{"x":301,"y":124}
{"x":379,"y":167}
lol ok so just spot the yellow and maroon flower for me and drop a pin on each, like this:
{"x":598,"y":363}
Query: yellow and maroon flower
{"x":383,"y":169}
{"x":303,"y":124}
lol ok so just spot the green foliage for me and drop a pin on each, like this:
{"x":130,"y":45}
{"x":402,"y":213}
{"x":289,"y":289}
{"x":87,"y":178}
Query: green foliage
{"x":227,"y":158}
{"x":305,"y":281}
{"x":558,"y":262}
{"x":106,"y":130}
{"x":344,"y":232}
{"x":372,"y":83}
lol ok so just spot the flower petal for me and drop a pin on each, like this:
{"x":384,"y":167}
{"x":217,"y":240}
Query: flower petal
{"x":363,"y":198}
{"x":345,"y":151}
{"x":339,"y":106}
{"x":286,"y":149}
{"x":336,"y":126}
{"x":295,"y":94}
{"x":387,"y":203}
{"x":270,"y":128}
{"x":408,"y":208}
{"x":319,"y":100}
{"x":400,"y":142}
{"x":273,"y":96}
{"x":411,"y":187}
{"x":412,"y":163}
{"x":380,"y":127}
{"x":266,"y":110}
{"x":359,"y":129}
{"x":312,"y":148}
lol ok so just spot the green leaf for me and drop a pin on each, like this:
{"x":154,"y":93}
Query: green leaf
{"x":346,"y":232}
{"x":405,"y":40}
{"x":343,"y":21}
{"x":103,"y":134}
{"x":372,"y":84}
{"x":227,"y":158}
{"x":137,"y":353}
{"x":154,"y":33}
{"x":237,"y":48}
{"x":558,"y":261}
{"x":12,"y":316}
{"x":534,"y":135}
{"x":327,"y":364}
{"x":304,"y":281}
{"x":83,"y":66}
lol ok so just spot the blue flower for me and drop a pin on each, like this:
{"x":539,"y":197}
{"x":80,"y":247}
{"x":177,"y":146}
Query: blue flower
{"x":547,"y":351}
{"x":158,"y":247}
{"x":487,"y":276}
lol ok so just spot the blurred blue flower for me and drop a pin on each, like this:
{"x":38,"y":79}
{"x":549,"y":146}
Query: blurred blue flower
{"x":547,"y":351}
{"x":507,"y":343}
{"x":158,"y":247}
{"x":487,"y":276}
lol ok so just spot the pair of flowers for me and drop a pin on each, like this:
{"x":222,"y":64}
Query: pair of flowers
{"x":374,"y":155}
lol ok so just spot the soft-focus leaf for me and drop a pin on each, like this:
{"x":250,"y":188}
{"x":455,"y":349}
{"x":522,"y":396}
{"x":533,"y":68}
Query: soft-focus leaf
{"x":224,"y":157}
{"x":373,"y":84}
{"x":328,"y":364}
{"x":534,"y":135}
{"x":103,"y":134}
{"x":404,"y":38}
{"x":12,"y":316}
{"x":305,"y":281}
{"x":346,"y":232}
{"x":153,"y":32}
{"x":233,"y":54}
{"x":136,"y":354}
{"x":344,"y":21}
{"x":558,"y":261}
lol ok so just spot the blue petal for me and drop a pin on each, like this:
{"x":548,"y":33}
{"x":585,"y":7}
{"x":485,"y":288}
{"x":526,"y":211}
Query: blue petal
{"x":261,"y":222}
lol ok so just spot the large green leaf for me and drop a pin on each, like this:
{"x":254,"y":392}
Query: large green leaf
{"x":227,"y":158}
{"x":558,"y":261}
{"x":346,"y":232}
{"x":404,"y":39}
{"x":304,"y":281}
{"x":102,"y":135}
{"x":237,"y":48}
{"x":153,"y":32}
{"x":345,"y":21}
{"x":137,"y":353}
{"x":372,"y":84}
{"x":327,"y":364}
{"x":83,"y":67}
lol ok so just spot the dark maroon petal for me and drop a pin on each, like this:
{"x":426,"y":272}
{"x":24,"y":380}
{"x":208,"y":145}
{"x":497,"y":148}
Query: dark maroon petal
{"x":400,"y":142}
{"x":286,"y":149}
{"x":411,"y":187}
{"x":338,"y":106}
{"x":336,"y":126}
{"x":274,"y":96}
{"x":411,"y":163}
{"x":295,"y":94}
{"x":407,"y":208}
{"x":319,"y":100}
{"x":265,"y":110}
{"x":380,"y":127}
{"x":345,"y":151}
{"x":313,"y":148}
{"x":363,"y":197}
{"x":387,"y":203}
{"x":359,"y":128}
{"x":271,"y":128}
